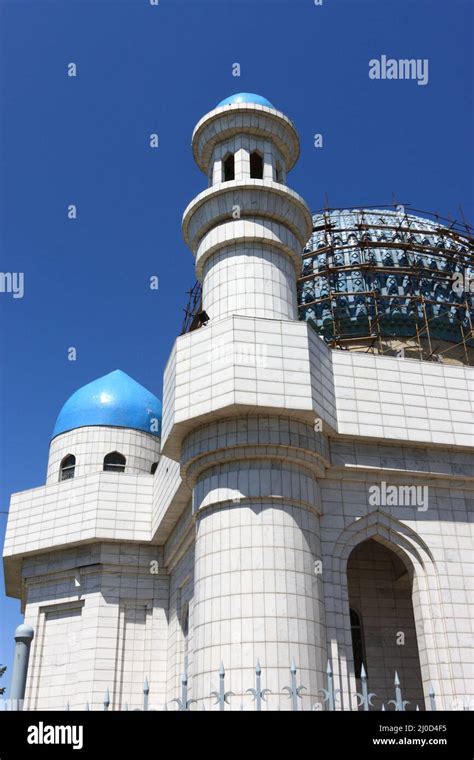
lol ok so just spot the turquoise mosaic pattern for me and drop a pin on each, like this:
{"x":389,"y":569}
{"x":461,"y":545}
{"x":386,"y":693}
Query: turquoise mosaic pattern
{"x":368,"y":267}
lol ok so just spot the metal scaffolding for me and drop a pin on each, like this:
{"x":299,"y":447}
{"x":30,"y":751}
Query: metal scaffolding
{"x":193,"y":308}
{"x":404,"y":267}
{"x":414,"y":279}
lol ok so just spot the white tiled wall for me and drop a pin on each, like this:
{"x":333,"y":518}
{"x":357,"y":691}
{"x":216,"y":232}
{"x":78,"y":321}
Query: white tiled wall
{"x":256,"y":593}
{"x":244,"y":437}
{"x":107,"y":505}
{"x":91,"y":444}
{"x":251,"y":280}
{"x":219,"y":204}
{"x":181,"y":597}
{"x":257,"y":597}
{"x":403,"y":399}
{"x":251,"y":230}
{"x":100,"y":621}
{"x":238,"y":361}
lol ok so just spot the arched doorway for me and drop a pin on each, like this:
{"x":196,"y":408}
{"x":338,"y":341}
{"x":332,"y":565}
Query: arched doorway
{"x":382,"y":623}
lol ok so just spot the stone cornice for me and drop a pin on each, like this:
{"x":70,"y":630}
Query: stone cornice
{"x":247,"y":118}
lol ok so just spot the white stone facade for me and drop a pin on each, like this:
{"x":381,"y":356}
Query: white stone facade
{"x":90,"y":444}
{"x":256,"y":534}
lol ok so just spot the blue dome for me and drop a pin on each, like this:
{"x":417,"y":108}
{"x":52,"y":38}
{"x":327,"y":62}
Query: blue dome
{"x":114,"y":400}
{"x":245,"y":97}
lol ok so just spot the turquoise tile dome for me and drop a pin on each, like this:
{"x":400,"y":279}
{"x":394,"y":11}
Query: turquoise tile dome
{"x":114,"y":400}
{"x":245,"y":97}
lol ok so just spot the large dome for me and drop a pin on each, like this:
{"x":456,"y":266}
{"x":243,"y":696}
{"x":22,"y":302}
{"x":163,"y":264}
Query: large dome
{"x":115,"y":400}
{"x":245,"y":97}
{"x":389,"y":281}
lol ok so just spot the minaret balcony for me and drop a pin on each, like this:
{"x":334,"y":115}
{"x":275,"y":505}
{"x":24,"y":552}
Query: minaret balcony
{"x":249,"y":199}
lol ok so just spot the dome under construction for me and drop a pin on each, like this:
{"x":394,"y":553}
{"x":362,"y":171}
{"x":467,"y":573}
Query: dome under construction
{"x":391,"y":282}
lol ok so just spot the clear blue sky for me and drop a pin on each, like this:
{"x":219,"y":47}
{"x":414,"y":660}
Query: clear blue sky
{"x":144,"y":69}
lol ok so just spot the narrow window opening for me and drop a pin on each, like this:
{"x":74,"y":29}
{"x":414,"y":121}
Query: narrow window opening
{"x":67,"y":467}
{"x":357,"y":643}
{"x":256,"y":165}
{"x":153,"y":467}
{"x":229,"y":168}
{"x":185,"y":632}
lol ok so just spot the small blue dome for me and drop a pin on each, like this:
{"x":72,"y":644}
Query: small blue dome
{"x":114,"y":400}
{"x":245,"y":97}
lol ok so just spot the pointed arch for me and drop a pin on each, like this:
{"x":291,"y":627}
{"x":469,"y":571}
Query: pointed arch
{"x":417,"y":557}
{"x":228,"y":167}
{"x":114,"y":462}
{"x":256,"y":164}
{"x":382,"y":527}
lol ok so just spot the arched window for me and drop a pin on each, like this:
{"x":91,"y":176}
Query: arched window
{"x":357,"y":643}
{"x":153,"y":468}
{"x":114,"y":462}
{"x":256,"y":165}
{"x":229,"y":168}
{"x":67,"y":467}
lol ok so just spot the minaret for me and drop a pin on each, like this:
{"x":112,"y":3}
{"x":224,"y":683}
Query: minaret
{"x":248,"y":228}
{"x":241,"y":423}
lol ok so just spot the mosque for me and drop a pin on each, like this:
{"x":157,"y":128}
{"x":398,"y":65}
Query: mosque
{"x":328,"y":357}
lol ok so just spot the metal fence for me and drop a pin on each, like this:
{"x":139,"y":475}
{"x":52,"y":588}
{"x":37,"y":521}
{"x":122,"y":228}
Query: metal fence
{"x":258,"y":694}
